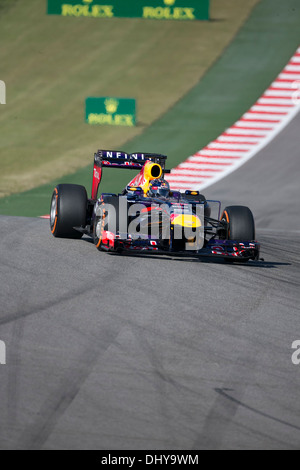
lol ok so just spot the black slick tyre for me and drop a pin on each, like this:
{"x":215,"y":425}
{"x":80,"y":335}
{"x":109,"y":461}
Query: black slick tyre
{"x":68,"y":210}
{"x":240,"y":223}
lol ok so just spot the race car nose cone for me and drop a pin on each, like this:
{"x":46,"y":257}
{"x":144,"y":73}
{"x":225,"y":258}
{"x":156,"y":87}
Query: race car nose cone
{"x":186,"y":220}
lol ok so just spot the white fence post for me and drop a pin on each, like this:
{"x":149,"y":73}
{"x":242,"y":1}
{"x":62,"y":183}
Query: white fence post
{"x":2,"y":353}
{"x":2,"y":92}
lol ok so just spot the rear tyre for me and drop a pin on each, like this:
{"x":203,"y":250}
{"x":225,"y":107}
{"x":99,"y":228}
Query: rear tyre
{"x":68,"y":210}
{"x":240,"y":223}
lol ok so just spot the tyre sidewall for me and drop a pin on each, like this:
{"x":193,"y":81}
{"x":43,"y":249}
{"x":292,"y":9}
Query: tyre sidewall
{"x":71,"y":210}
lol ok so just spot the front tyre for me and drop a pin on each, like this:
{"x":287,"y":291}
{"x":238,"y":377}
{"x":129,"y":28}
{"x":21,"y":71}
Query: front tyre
{"x":239,"y":222}
{"x":68,"y":210}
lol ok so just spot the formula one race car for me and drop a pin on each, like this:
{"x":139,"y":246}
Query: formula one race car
{"x":148,"y":217}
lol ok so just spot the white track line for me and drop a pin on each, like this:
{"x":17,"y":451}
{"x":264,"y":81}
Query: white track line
{"x":278,"y":105}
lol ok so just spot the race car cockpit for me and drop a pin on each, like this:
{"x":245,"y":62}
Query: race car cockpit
{"x":159,"y":188}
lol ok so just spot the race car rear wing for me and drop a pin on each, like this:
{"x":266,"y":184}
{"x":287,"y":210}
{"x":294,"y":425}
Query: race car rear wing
{"x":128,"y":161}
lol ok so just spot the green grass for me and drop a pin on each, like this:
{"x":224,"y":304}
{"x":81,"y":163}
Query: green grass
{"x":51,"y":64}
{"x":258,"y":53}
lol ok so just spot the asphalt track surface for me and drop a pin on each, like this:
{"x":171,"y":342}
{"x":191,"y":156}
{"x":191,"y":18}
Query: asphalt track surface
{"x":116,"y":352}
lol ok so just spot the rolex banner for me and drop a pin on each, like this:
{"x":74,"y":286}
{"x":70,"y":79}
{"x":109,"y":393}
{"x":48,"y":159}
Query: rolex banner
{"x":111,"y":111}
{"x":149,"y":9}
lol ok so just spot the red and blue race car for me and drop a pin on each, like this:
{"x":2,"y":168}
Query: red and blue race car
{"x":147,"y":216}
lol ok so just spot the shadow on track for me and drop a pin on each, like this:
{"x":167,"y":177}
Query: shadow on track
{"x":203,"y":260}
{"x":190,"y":259}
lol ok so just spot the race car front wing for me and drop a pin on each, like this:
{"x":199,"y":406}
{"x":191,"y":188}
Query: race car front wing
{"x":227,"y":249}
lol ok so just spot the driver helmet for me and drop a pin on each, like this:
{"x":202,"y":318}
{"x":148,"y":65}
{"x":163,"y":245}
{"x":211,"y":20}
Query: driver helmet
{"x":159,"y":188}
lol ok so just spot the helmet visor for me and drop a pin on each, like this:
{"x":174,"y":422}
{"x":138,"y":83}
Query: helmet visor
{"x":164,"y":192}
